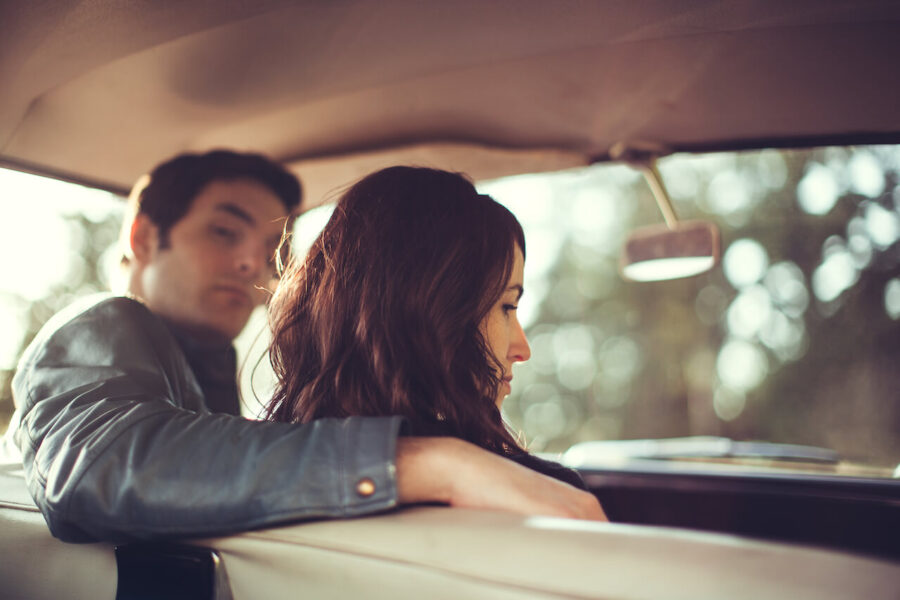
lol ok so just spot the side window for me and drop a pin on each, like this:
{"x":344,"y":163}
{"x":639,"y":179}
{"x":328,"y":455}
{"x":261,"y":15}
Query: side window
{"x":58,"y":242}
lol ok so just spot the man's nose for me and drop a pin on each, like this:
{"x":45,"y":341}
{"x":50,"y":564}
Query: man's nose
{"x":252,"y":261}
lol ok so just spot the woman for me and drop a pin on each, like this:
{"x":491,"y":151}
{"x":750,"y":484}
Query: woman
{"x":406,"y":305}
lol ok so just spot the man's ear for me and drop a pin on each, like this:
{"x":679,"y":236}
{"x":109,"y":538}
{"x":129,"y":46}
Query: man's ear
{"x":144,"y":238}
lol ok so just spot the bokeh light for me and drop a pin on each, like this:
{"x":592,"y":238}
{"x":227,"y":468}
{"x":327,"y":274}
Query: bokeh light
{"x":866,"y":174}
{"x":772,"y":170}
{"x":731,"y":194}
{"x":545,"y":421}
{"x":786,"y":337}
{"x":745,"y":262}
{"x":620,"y":360}
{"x":892,"y":298}
{"x":818,"y":191}
{"x":741,"y":365}
{"x":787,"y":288}
{"x":728,"y":403}
{"x":749,"y":311}
{"x":882,"y":225}
{"x":836,"y":273}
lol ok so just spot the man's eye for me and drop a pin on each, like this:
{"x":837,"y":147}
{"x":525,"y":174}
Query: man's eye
{"x":224,"y":233}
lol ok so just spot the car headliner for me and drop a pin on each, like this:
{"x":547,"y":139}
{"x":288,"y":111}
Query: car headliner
{"x":97,"y":91}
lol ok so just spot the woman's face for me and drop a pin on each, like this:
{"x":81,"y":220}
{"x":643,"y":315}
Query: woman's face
{"x":503,"y":332}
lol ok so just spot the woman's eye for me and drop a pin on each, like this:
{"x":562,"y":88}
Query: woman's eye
{"x":508,"y":308}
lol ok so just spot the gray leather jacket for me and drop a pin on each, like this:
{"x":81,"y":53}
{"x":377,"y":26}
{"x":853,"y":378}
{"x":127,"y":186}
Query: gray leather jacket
{"x":118,"y":443}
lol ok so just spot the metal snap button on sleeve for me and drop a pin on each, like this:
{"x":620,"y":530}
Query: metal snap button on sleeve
{"x":365,"y":487}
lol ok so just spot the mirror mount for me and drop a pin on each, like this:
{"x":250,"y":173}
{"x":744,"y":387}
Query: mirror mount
{"x":642,"y":156}
{"x":678,"y":249}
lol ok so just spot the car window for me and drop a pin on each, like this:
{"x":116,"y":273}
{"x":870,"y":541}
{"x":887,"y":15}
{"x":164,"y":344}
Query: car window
{"x":58,"y":243}
{"x":794,"y":339}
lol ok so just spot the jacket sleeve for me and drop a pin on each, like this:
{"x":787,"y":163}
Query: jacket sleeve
{"x":117,"y":445}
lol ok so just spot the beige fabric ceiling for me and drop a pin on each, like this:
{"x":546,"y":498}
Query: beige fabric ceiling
{"x":100,"y":90}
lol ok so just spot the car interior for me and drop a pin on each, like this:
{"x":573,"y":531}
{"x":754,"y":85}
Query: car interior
{"x":94,"y":92}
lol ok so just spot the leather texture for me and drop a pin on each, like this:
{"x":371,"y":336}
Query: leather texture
{"x":118,"y":444}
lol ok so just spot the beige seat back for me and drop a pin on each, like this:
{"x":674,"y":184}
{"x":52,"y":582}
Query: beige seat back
{"x":456,"y":553}
{"x":37,"y":566}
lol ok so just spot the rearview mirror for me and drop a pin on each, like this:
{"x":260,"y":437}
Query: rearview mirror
{"x":660,"y":252}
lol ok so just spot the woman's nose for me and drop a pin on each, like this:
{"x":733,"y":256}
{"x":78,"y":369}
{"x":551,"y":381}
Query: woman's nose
{"x":519,"y":350}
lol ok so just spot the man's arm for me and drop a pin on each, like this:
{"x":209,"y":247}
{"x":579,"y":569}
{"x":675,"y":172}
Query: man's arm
{"x":460,"y":474}
{"x":117,"y":446}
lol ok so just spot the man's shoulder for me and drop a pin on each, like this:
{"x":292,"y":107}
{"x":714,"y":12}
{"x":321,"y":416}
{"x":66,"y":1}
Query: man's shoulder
{"x":101,"y":302}
{"x":98,"y":317}
{"x":104,"y":306}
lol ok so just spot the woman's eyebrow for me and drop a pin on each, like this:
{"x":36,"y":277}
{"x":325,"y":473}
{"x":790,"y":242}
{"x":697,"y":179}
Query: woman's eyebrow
{"x":516,"y":288}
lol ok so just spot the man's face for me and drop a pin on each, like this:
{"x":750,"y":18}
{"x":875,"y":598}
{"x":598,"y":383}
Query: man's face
{"x":218,"y":261}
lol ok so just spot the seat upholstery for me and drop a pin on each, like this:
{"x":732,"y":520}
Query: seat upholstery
{"x":438,"y":552}
{"x":456,"y":553}
{"x":34,"y":564}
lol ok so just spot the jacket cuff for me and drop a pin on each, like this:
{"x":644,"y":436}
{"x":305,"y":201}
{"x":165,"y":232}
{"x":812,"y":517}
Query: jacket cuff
{"x":368,"y":471}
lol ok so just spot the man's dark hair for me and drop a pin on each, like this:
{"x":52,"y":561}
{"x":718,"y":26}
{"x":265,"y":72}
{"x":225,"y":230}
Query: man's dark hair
{"x":171,"y":187}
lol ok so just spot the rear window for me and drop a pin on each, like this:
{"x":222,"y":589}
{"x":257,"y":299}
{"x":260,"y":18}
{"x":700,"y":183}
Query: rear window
{"x":795,"y":338}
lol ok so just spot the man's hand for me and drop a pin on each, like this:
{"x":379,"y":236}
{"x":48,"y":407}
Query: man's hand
{"x":460,"y":474}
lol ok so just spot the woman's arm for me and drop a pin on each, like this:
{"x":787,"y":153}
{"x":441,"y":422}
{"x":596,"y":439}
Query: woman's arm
{"x":458,"y":473}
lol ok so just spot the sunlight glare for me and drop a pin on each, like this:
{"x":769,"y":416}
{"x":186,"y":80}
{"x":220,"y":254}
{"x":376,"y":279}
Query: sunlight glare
{"x":308,"y":226}
{"x":11,"y":319}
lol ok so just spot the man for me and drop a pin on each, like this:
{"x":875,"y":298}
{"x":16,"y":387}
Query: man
{"x":127,"y":406}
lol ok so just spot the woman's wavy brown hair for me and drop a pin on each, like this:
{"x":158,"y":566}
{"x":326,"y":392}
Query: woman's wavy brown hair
{"x":383,"y":315}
